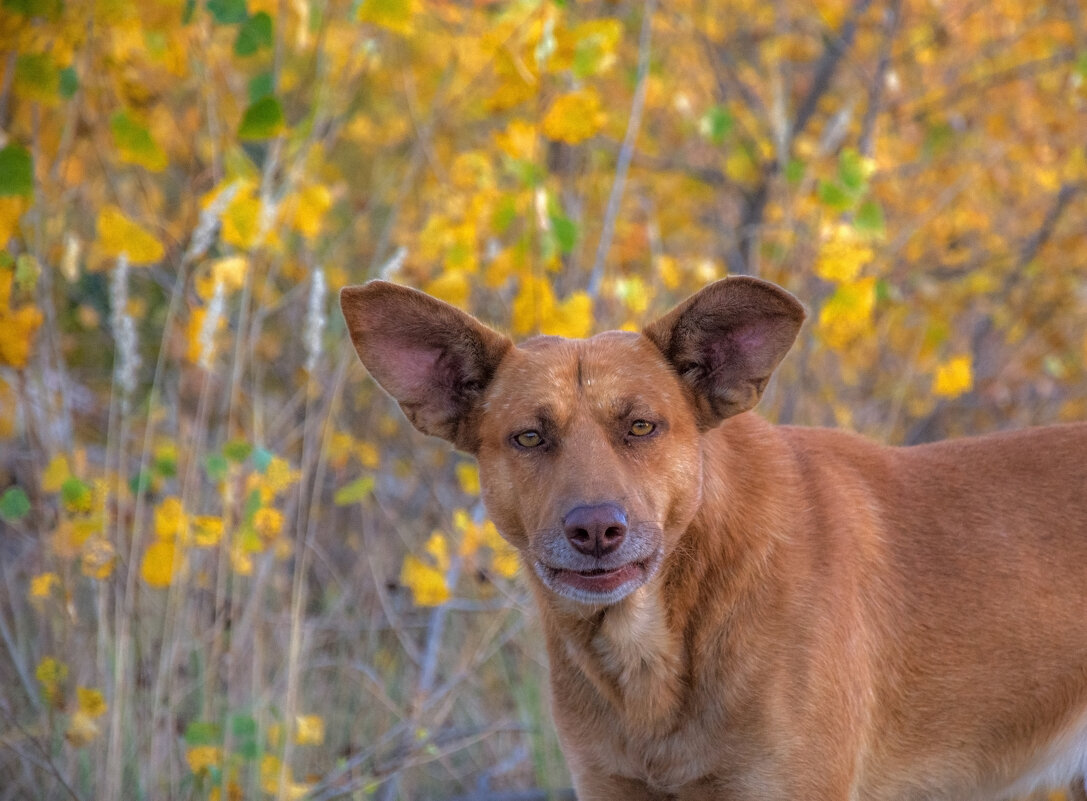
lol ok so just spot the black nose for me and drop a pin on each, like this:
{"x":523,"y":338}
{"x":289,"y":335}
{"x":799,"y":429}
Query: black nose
{"x":597,"y":529}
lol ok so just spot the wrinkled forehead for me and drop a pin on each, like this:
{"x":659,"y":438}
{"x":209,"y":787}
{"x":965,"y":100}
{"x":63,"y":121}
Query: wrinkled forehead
{"x":603,"y":373}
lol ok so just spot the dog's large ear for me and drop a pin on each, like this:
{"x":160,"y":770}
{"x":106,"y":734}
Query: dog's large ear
{"x":726,"y":340}
{"x":434,"y":359}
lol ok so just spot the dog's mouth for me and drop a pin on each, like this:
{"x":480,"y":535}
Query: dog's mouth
{"x":600,"y":585}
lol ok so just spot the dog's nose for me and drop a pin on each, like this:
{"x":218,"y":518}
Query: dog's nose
{"x":597,"y":529}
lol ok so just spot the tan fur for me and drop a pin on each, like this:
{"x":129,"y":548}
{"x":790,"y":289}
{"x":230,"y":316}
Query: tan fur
{"x":816,"y":616}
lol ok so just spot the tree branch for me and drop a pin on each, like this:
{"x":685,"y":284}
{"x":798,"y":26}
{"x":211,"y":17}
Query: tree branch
{"x":836,"y":48}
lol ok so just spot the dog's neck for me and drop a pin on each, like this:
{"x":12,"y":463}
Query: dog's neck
{"x":629,"y":653}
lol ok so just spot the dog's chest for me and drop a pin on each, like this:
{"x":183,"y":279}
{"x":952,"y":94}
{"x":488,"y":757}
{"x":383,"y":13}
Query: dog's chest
{"x":637,"y":664}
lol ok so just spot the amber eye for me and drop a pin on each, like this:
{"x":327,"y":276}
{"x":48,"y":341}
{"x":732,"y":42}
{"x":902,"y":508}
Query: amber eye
{"x":528,"y":439}
{"x":641,"y":428}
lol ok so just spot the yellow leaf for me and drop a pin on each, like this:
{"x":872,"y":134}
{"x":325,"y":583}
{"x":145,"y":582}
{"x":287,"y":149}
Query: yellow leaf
{"x":518,"y":141}
{"x":427,"y":584}
{"x":311,"y":205}
{"x":207,"y":531}
{"x":230,"y":272}
{"x":669,"y":272}
{"x":574,"y":117}
{"x":271,"y":768}
{"x":572,"y":318}
{"x":396,"y":15}
{"x":91,"y":702}
{"x":51,"y":674}
{"x":241,"y":220}
{"x":505,"y":561}
{"x":169,"y":518}
{"x":160,"y":564}
{"x":81,"y":729}
{"x":56,"y":473}
{"x":11,"y":209}
{"x":471,"y":171}
{"x":268,"y":522}
{"x":9,"y":405}
{"x":847,"y":314}
{"x":241,"y":558}
{"x":451,"y":286}
{"x":279,"y":476}
{"x":843,"y":254}
{"x":369,"y":455}
{"x":117,"y":234}
{"x":17,"y":326}
{"x":534,"y":303}
{"x":42,"y":585}
{"x":98,"y":559}
{"x":438,"y":548}
{"x":953,"y":377}
{"x":468,"y":476}
{"x":470,"y":539}
{"x":309,"y":729}
{"x":202,"y":758}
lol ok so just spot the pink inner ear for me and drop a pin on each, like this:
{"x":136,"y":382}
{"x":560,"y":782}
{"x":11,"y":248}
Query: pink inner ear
{"x":407,"y":370}
{"x":748,"y":338}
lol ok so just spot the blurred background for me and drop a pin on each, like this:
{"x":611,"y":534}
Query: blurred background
{"x":229,"y":569}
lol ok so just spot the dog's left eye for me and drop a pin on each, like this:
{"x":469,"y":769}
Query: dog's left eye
{"x":528,"y":439}
{"x":641,"y":428}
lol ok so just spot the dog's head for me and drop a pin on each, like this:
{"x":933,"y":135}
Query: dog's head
{"x":589,"y":450}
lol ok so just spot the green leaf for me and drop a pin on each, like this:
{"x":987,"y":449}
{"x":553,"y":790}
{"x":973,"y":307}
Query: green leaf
{"x":252,"y":504}
{"x":165,"y":463}
{"x":203,"y":732}
{"x":216,"y":467}
{"x":832,"y":194}
{"x":36,"y":76}
{"x":504,"y":215}
{"x":565,"y":232}
{"x":134,"y":142}
{"x":716,"y":124}
{"x":262,"y":457}
{"x":27,"y":271}
{"x":869,"y":218}
{"x":140,"y":482}
{"x":237,"y":450}
{"x":243,"y":730}
{"x":262,"y":120}
{"x":794,"y":171}
{"x":16,"y":172}
{"x":255,"y":34}
{"x":74,"y":492}
{"x":261,"y":86}
{"x":851,"y":171}
{"x":938,"y":139}
{"x":14,"y":505}
{"x":358,"y":490}
{"x":50,"y":9}
{"x":69,"y":82}
{"x":228,"y":12}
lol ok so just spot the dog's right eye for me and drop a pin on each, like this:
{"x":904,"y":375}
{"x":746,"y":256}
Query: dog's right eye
{"x":528,"y":439}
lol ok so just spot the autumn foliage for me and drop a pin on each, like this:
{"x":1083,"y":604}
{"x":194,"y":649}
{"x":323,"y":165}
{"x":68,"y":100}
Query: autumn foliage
{"x":230,"y":568}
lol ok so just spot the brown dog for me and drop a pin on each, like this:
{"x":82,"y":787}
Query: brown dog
{"x":735,"y":610}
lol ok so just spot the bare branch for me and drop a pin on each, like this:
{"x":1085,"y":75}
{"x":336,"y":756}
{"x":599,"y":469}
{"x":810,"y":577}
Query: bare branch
{"x":891,"y":18}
